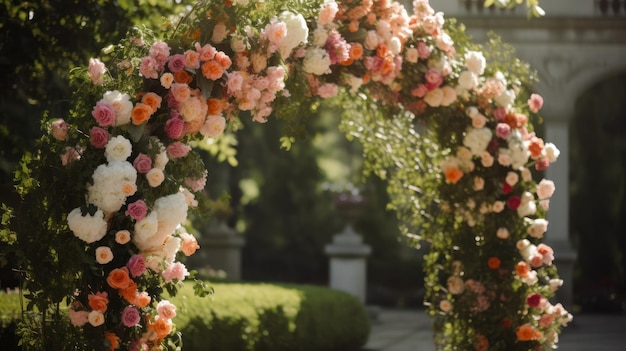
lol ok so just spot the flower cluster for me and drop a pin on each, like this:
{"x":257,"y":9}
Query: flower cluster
{"x":126,"y":148}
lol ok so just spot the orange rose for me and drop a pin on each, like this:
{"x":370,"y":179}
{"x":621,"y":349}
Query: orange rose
{"x":212,"y":70}
{"x":161,"y":326}
{"x":182,"y":77}
{"x":118,"y":278}
{"x":526,"y":332}
{"x":453,"y":174}
{"x":522,"y":269}
{"x":535,"y":147}
{"x":356,"y":51}
{"x":153,"y":100}
{"x":141,"y":113}
{"x":114,"y":340}
{"x":493,"y":263}
{"x":98,"y":301}
{"x":142,"y":299}
{"x":214,"y":107}
{"x":130,"y":292}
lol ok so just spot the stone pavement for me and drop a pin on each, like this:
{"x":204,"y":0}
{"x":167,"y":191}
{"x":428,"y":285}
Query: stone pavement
{"x":409,"y":330}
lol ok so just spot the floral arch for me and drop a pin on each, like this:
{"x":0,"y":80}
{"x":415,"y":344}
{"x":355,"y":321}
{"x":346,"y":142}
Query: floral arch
{"x":445,"y":121}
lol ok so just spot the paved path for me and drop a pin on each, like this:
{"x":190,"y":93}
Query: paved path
{"x":409,"y":330}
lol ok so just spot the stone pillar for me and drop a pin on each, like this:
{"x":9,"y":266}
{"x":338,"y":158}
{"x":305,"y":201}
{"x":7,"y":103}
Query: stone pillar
{"x":220,"y":248}
{"x":557,"y":132}
{"x":348,"y":266}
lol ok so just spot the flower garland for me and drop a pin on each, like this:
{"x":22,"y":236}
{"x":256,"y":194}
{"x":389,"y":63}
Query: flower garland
{"x":126,"y":153}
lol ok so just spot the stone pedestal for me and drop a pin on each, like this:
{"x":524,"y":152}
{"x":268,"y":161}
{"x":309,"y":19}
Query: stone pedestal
{"x":348,"y":269}
{"x":220,"y":248}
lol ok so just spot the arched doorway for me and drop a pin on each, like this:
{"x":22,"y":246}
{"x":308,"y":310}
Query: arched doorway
{"x":598,"y":195}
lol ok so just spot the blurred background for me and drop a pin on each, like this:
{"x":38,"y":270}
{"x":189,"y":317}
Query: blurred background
{"x":282,"y":202}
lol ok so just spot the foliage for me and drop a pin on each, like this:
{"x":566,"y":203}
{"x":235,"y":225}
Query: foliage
{"x":41,"y":42}
{"x":272,"y":317}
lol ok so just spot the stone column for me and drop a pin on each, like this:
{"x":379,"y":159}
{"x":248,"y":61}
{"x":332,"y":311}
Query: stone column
{"x":220,"y":248}
{"x":347,"y":252}
{"x":557,"y":132}
{"x":348,"y":266}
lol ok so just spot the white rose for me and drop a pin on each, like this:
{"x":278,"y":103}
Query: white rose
{"x":320,"y":35}
{"x":118,"y":149}
{"x":449,"y":96}
{"x":155,"y":177}
{"x":468,"y":80}
{"x":506,"y":98}
{"x":434,"y":97}
{"x":538,"y":228}
{"x":297,"y":32}
{"x":475,"y":62}
{"x":498,"y":206}
{"x":371,"y":40}
{"x":87,"y":228}
{"x":477,"y":140}
{"x":316,"y":61}
{"x":551,"y":152}
{"x":511,"y":178}
{"x":545,"y":189}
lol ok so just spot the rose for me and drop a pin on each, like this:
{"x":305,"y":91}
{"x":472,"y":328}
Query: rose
{"x":502,"y":233}
{"x":177,"y":150}
{"x":166,"y":309}
{"x":59,"y":129}
{"x":297,"y":32}
{"x":316,"y":61}
{"x":136,"y":265}
{"x":411,"y":55}
{"x":537,"y":228}
{"x":104,"y":255}
{"x":551,"y":152}
{"x":104,"y":113}
{"x":98,"y":137}
{"x":503,"y":130}
{"x":189,"y":244}
{"x":95,"y":318}
{"x":155,"y":177}
{"x":219,"y":33}
{"x":176,"y":62}
{"x":78,"y":318}
{"x":445,"y":306}
{"x":118,"y":149}
{"x":98,"y":301}
{"x":96,"y":71}
{"x":213,"y":126}
{"x":130,"y":316}
{"x":423,"y":50}
{"x":468,"y":80}
{"x":122,"y":237}
{"x":175,"y":128}
{"x":118,"y":278}
{"x":545,"y":189}
{"x":176,"y":270}
{"x":142,"y":300}
{"x":142,"y":163}
{"x":455,"y":285}
{"x":533,"y":299}
{"x":535,"y":102}
{"x":475,"y":62}
{"x":137,"y":210}
{"x":513,"y":202}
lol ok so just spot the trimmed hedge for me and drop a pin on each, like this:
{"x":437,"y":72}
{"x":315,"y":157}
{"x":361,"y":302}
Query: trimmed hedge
{"x":269,"y":317}
{"x":250,"y":317}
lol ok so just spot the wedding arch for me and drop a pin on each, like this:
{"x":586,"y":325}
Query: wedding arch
{"x":445,"y":121}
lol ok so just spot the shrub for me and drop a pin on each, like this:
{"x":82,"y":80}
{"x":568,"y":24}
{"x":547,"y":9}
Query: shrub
{"x":250,"y":317}
{"x":269,"y":317}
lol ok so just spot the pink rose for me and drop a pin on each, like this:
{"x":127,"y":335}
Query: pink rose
{"x":327,"y":90}
{"x":137,"y":210}
{"x":189,"y":244}
{"x":177,"y":150}
{"x":420,"y":91}
{"x":545,"y":189}
{"x":535,"y":102}
{"x":503,"y":130}
{"x":434,"y":78}
{"x":136,"y":265}
{"x":542,"y":164}
{"x":142,"y":163}
{"x":104,"y":113}
{"x":499,"y":114}
{"x":176,"y":270}
{"x":176,"y":63}
{"x":98,"y":137}
{"x":423,"y":50}
{"x":175,"y":128}
{"x":148,"y":68}
{"x":130,"y":316}
{"x":96,"y":71}
{"x":59,"y":129}
{"x":166,"y":309}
